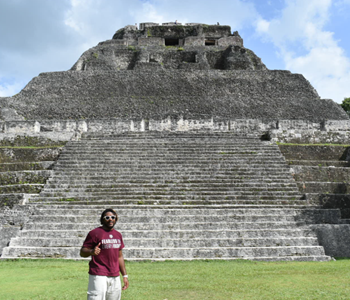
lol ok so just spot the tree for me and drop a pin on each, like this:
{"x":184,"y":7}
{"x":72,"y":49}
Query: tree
{"x":346,"y":105}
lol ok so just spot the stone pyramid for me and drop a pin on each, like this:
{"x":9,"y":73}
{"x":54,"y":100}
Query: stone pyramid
{"x":174,"y":127}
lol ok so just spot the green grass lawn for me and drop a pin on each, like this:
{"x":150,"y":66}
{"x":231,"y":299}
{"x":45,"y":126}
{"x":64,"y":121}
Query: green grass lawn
{"x":66,"y":279}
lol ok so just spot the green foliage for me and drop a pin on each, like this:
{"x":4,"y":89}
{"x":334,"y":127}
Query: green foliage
{"x":132,"y":48}
{"x":95,"y":55}
{"x":68,"y":199}
{"x":31,"y":147}
{"x":346,"y":105}
{"x":30,"y":142}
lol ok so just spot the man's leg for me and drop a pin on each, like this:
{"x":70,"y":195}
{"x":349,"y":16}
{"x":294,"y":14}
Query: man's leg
{"x":97,"y":287}
{"x":114,"y":288}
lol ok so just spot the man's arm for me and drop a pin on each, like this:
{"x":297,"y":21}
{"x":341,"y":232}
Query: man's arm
{"x":122,"y":270}
{"x":86,"y":252}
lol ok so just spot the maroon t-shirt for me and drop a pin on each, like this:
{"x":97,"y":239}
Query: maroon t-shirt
{"x":107,"y":262}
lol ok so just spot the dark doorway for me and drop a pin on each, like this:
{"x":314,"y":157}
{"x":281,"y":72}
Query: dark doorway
{"x":171,"y":42}
{"x":210,"y":42}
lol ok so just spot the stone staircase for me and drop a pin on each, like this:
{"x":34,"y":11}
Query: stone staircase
{"x":322,"y":173}
{"x":178,"y":196}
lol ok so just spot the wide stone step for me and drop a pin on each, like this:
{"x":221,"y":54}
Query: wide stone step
{"x":176,"y":141}
{"x":163,"y":153}
{"x":142,"y":170}
{"x":164,"y":147}
{"x":184,"y":145}
{"x":171,"y":218}
{"x":93,"y":210}
{"x":181,"y":160}
{"x":174,"y":134}
{"x":173,"y":143}
{"x":173,"y":253}
{"x":184,"y":197}
{"x":324,"y":187}
{"x":214,"y":193}
{"x":290,"y":201}
{"x":145,"y":209}
{"x":135,"y":159}
{"x":209,"y":189}
{"x":173,"y":173}
{"x":173,"y":234}
{"x":167,"y":153}
{"x":191,"y":140}
{"x":172,"y":243}
{"x":202,"y":181}
{"x":319,"y":163}
{"x":171,"y":199}
{"x":242,"y":193}
{"x":223,"y":226}
{"x":230,"y":214}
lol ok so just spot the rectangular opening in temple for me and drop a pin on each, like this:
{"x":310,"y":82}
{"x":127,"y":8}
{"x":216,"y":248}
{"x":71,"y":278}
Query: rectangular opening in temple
{"x":210,"y":42}
{"x":171,"y":42}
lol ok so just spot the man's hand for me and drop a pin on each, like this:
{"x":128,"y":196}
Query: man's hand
{"x":126,"y":283}
{"x":96,"y":250}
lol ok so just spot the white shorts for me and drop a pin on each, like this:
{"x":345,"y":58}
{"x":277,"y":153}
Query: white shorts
{"x":104,"y":288}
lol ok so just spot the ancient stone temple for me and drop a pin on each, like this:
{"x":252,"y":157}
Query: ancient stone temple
{"x":175,"y":126}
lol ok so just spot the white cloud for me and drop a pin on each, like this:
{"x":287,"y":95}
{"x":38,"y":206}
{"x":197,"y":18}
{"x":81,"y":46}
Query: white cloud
{"x":7,"y":90}
{"x":307,"y":48}
{"x":262,"y":26}
{"x":53,"y":34}
{"x":148,"y":13}
{"x":327,"y":69}
{"x":342,"y":2}
{"x":236,"y":13}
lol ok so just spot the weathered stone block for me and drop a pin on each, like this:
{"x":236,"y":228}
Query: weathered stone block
{"x":21,"y":126}
{"x":230,"y":41}
{"x":151,"y":41}
{"x":194,"y":41}
{"x":334,"y":238}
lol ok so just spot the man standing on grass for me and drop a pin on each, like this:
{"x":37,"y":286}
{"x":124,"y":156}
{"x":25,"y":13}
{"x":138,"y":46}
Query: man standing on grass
{"x":104,"y":244}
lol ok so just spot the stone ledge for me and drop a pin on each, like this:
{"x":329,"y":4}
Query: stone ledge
{"x":286,"y":131}
{"x":340,"y":201}
{"x":10,"y":200}
{"x":334,"y":238}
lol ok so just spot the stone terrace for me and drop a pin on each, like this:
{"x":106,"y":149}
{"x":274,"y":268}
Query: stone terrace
{"x":178,"y":195}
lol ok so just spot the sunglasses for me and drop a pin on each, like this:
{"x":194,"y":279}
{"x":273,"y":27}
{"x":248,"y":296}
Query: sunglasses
{"x":107,"y":217}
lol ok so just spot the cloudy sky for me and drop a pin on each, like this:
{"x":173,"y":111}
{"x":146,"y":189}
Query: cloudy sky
{"x":310,"y":37}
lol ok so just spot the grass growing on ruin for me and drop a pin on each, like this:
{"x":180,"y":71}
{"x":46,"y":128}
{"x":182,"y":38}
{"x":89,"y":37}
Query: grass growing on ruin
{"x":65,"y":279}
{"x":31,"y":147}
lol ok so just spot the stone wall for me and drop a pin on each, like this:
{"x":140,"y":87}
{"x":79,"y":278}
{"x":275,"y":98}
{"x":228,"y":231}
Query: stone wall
{"x":334,"y":238}
{"x":200,"y":95}
{"x":284,"y":131}
{"x":151,"y":41}
{"x":315,"y":152}
{"x":322,"y":175}
{"x":13,"y":216}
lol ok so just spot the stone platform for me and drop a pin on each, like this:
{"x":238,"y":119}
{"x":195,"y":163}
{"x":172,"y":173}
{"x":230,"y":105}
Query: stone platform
{"x":179,"y":196}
